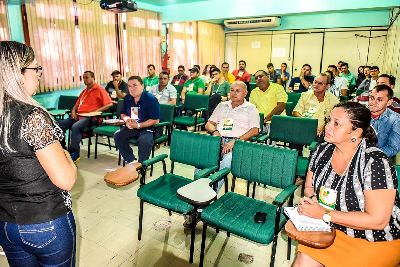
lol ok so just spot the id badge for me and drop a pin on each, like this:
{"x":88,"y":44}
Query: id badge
{"x":158,"y":96}
{"x":190,"y":88}
{"x":176,"y":82}
{"x":312,"y":110}
{"x":148,"y":88}
{"x":296,"y":86}
{"x":134,"y":113}
{"x":228,"y":125}
{"x":327,"y":197}
{"x":240,"y":74}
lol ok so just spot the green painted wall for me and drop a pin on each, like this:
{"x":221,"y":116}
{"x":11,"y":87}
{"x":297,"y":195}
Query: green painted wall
{"x":15,"y":23}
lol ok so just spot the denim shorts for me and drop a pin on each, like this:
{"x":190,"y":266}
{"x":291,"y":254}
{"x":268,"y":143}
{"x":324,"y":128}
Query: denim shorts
{"x":50,"y":243}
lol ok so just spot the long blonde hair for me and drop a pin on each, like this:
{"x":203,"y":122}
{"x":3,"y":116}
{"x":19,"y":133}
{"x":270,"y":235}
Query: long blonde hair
{"x":14,"y":57}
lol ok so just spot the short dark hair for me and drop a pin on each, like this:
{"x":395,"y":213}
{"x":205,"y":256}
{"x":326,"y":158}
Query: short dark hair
{"x":270,"y":65}
{"x":164,"y":73}
{"x":332,"y":66}
{"x":215,"y":69}
{"x":392,"y":79}
{"x":384,"y":87}
{"x":331,"y":79}
{"x":205,"y":69}
{"x":340,"y":62}
{"x":367,"y":67}
{"x":344,"y":64}
{"x":263,"y":71}
{"x":307,"y":65}
{"x":182,"y":67}
{"x":91,"y":73}
{"x":116,"y":72}
{"x":225,"y":63}
{"x":135,"y":77}
{"x":360,"y":117}
{"x":197,"y":66}
{"x":374,"y":68}
{"x":243,"y":62}
{"x":284,"y":63}
{"x":151,"y":65}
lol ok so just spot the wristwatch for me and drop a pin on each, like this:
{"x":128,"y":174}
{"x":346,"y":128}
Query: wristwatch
{"x":327,"y":216}
{"x":138,"y":125}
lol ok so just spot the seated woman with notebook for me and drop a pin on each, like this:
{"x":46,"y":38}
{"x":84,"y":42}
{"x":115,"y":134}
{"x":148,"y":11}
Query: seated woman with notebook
{"x":352,"y":185}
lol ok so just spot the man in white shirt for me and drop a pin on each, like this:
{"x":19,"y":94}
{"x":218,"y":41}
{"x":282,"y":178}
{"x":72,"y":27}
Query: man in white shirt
{"x":340,"y":85}
{"x":164,"y":91}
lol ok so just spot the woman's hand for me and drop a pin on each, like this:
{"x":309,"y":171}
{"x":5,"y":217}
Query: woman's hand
{"x":311,"y":208}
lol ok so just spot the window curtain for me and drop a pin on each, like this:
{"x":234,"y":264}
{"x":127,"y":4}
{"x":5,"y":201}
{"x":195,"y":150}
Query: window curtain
{"x":141,"y":42}
{"x":211,"y":44}
{"x":51,"y":26}
{"x":97,"y":41}
{"x":182,"y":45}
{"x":4,"y":32}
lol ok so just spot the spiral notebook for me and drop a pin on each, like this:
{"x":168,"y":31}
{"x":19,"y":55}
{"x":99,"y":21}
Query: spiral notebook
{"x":305,"y":223}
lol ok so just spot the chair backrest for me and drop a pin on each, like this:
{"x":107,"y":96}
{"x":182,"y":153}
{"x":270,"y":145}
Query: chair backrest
{"x":120,"y":106}
{"x":167,"y":113}
{"x":273,"y":166}
{"x":199,"y":150}
{"x":293,"y":130}
{"x":66,"y":101}
{"x":293,"y":97}
{"x":193,"y":101}
{"x":178,"y":93}
{"x":289,"y":108}
{"x":261,"y":121}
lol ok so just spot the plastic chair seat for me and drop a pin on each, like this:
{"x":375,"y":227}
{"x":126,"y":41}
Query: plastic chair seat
{"x":302,"y":166}
{"x":188,"y":121}
{"x":235,"y":214}
{"x":106,"y":130}
{"x":162,"y":192}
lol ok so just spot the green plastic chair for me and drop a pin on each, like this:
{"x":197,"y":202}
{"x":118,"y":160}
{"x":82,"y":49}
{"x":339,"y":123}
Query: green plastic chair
{"x":234,"y":213}
{"x":198,"y":104}
{"x":293,"y":97}
{"x":194,"y":149}
{"x":255,"y":138}
{"x":107,"y":130}
{"x":289,"y":108}
{"x":65,"y":104}
{"x":294,"y":130}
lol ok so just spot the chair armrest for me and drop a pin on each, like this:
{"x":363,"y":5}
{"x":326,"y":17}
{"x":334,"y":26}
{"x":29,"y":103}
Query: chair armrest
{"x":162,"y":124}
{"x":154,"y":160}
{"x":200,"y":109}
{"x":313,"y":145}
{"x":284,"y":195}
{"x":216,"y":176}
{"x":205,"y":172}
{"x":106,"y":114}
{"x":263,"y":138}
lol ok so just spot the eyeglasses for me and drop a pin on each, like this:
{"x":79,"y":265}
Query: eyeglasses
{"x":39,"y":70}
{"x":318,"y":83}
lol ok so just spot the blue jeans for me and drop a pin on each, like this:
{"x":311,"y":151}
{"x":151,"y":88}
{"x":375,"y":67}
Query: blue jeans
{"x":145,"y":141}
{"x":77,"y":127}
{"x":50,"y":243}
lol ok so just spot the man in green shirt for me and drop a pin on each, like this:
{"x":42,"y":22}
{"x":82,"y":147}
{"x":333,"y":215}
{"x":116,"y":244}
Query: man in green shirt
{"x":348,"y":75}
{"x":194,"y":85}
{"x":151,"y":79}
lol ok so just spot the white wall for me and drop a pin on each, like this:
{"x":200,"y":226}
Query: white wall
{"x":319,"y":48}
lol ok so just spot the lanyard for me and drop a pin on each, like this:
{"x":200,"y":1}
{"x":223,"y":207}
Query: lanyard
{"x":83,"y":97}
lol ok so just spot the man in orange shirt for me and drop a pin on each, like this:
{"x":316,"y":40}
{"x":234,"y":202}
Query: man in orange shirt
{"x":93,"y":98}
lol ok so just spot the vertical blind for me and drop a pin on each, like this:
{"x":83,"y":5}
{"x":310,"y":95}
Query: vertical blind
{"x":4,"y":33}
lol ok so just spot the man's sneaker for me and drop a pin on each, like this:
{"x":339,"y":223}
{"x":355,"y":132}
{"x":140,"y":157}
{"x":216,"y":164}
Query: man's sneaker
{"x":75,"y":156}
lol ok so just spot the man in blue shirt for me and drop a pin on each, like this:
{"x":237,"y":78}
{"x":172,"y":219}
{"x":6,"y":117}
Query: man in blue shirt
{"x":303,"y":82}
{"x":140,"y":112}
{"x":283,"y":74}
{"x":385,"y":121}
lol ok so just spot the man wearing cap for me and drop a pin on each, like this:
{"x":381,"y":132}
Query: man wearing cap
{"x":117,"y":88}
{"x":194,"y":85}
{"x":181,"y":77}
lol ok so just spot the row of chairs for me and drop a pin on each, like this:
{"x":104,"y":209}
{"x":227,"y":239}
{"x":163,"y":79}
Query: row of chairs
{"x":233,"y":213}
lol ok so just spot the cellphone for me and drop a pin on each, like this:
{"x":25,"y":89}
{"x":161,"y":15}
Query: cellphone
{"x":260,"y":217}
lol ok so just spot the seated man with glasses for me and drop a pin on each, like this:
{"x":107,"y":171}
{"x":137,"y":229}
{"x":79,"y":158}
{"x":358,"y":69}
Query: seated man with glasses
{"x":181,"y":77}
{"x":317,"y":103}
{"x":218,"y":89}
{"x":269,"y":98}
{"x":93,"y":98}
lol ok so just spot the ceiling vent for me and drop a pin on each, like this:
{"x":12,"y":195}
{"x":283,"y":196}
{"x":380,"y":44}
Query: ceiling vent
{"x":251,"y":23}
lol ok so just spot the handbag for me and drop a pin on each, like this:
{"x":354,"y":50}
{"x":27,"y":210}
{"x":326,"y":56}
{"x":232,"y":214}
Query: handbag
{"x":314,"y":239}
{"x":123,"y":176}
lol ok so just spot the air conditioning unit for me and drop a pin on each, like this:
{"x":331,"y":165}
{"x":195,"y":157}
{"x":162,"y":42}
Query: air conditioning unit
{"x":251,"y":23}
{"x":120,"y":6}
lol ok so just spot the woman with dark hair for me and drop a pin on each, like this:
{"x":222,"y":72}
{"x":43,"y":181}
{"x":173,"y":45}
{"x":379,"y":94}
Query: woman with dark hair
{"x":206,"y":75}
{"x":37,"y":227}
{"x":360,"y":76}
{"x":352,"y":185}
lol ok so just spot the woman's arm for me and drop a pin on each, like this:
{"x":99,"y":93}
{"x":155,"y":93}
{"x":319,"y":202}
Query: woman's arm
{"x":58,"y":165}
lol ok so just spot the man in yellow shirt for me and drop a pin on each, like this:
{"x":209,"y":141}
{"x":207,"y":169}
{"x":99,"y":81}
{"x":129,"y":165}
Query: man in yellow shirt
{"x":269,"y":98}
{"x":317,"y":103}
{"x":225,"y":72}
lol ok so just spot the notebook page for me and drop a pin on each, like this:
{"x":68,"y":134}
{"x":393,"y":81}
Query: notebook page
{"x":305,"y":223}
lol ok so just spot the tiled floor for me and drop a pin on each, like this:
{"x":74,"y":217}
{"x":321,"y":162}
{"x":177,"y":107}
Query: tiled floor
{"x":107,"y":223}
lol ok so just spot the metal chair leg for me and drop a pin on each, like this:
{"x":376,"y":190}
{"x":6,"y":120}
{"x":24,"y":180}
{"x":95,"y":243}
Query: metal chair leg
{"x":274,"y":244}
{"x":192,"y":235}
{"x":289,"y":248}
{"x":169,"y":212}
{"x":254,"y":190}
{"x":203,"y":244}
{"x":248,"y":189}
{"x":233,"y":184}
{"x":140,"y":220}
{"x":95,"y":146}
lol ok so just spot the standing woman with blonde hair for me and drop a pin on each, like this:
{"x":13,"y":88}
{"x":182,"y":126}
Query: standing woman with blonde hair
{"x":37,"y":227}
